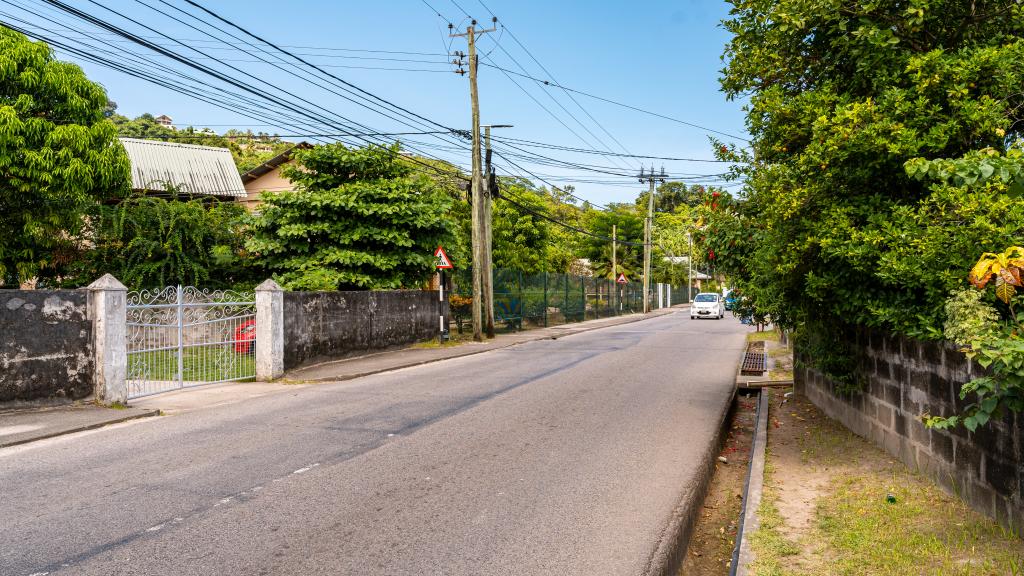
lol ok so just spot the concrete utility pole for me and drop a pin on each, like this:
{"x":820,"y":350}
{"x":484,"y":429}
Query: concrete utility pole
{"x":651,"y":179}
{"x":479,"y":218}
{"x":615,"y":249}
{"x":689,"y":272}
{"x":490,"y":192}
{"x":615,"y":262}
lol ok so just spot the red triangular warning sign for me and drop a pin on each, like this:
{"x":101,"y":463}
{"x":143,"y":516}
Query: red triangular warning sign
{"x":441,"y":260}
{"x":622,"y":279}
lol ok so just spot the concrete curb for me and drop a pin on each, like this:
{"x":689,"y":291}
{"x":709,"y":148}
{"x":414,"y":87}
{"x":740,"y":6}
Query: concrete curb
{"x":667,"y":558}
{"x":82,"y":428}
{"x":749,"y":522}
{"x":469,"y":351}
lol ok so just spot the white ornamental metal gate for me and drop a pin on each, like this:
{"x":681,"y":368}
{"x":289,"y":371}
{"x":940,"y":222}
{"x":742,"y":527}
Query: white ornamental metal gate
{"x":183,"y":336}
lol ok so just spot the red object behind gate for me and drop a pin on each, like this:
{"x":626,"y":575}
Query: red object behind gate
{"x":245,"y":337}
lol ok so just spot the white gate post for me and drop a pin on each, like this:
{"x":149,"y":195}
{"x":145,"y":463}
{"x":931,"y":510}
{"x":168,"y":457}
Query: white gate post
{"x":661,"y":295}
{"x":668,"y":288}
{"x":269,"y":331}
{"x":109,"y":314}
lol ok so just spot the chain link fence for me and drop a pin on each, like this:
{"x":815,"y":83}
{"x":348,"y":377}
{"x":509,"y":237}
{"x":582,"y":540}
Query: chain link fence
{"x":523,"y":301}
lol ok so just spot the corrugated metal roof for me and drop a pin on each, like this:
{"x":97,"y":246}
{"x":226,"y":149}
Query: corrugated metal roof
{"x":192,"y":169}
{"x":274,"y":162}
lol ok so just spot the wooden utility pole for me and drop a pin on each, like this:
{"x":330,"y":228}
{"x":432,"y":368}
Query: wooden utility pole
{"x":480,"y":242}
{"x":648,"y":229}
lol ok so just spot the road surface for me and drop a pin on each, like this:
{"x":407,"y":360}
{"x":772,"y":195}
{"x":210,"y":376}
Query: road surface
{"x":564,"y":457}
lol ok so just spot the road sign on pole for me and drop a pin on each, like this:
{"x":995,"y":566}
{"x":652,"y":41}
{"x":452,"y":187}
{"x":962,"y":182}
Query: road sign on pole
{"x":441,"y":260}
{"x":622,"y":279}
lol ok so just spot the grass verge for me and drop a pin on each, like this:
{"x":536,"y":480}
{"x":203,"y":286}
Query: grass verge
{"x":767,"y":335}
{"x":827,"y":509}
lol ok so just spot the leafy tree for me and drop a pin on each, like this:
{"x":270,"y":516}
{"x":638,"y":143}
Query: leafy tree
{"x":58,"y":157}
{"x":832,"y":228}
{"x":565,"y":245}
{"x":520,"y":239}
{"x":149,"y":242}
{"x":358,"y":219}
{"x":671,"y":196}
{"x":670,"y":238}
{"x":629,"y":228}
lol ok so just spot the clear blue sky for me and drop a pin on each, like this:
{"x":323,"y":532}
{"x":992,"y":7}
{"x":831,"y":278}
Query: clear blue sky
{"x":662,"y":56}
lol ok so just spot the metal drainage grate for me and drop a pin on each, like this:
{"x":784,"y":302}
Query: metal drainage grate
{"x":754,"y":364}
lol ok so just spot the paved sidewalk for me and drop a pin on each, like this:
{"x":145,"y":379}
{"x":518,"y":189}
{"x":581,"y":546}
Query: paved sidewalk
{"x":349,"y":368}
{"x":21,"y":426}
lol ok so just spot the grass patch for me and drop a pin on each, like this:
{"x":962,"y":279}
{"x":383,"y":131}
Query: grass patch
{"x":199,"y":364}
{"x":780,"y":375}
{"x":454,"y":339}
{"x":849,"y":526}
{"x":923,"y":532}
{"x":782,"y":360}
{"x":766,"y":336}
{"x":769,"y":544}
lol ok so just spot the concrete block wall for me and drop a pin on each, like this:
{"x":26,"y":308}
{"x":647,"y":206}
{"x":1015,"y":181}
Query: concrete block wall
{"x":46,"y":349}
{"x":903,"y":379}
{"x":324,"y":325}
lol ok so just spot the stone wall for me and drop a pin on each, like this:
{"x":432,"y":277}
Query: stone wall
{"x":903,"y":379}
{"x":323,"y":325}
{"x":45,"y":345}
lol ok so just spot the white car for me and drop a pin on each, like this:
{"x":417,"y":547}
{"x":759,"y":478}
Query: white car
{"x":707,"y":305}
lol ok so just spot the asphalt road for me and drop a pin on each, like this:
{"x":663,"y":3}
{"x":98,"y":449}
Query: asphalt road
{"x":568,"y":456}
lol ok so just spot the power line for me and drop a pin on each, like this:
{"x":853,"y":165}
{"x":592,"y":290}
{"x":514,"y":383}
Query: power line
{"x":351,"y":133}
{"x":345,"y":85}
{"x":315,"y":67}
{"x":594,"y":96}
{"x":235,"y":47}
{"x":296,"y":57}
{"x":567,"y":93}
{"x":276,"y":65}
{"x":553,"y":99}
{"x":599,"y":152}
{"x":498,"y":46}
{"x":565,"y":225}
{"x":216,"y":74}
{"x":125,"y":66}
{"x":468,"y":15}
{"x":266,"y":136}
{"x":300,"y":47}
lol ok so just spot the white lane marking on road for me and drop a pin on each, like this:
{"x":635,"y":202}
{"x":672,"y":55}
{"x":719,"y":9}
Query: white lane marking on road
{"x":155,"y":528}
{"x":306,"y":469}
